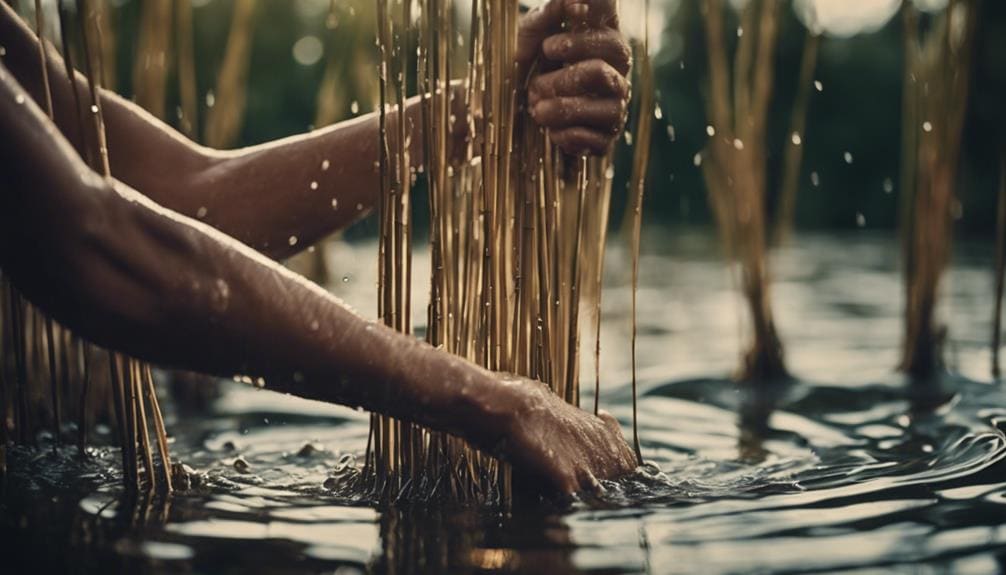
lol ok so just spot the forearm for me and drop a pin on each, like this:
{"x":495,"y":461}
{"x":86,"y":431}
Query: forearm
{"x":277,"y":197}
{"x":129,"y":275}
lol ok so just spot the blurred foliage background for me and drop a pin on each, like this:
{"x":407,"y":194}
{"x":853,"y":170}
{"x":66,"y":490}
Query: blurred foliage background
{"x":313,"y":62}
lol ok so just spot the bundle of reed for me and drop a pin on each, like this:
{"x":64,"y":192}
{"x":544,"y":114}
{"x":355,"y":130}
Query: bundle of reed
{"x":29,"y":335}
{"x":937,"y":78}
{"x":734,"y":166}
{"x":516,"y":234}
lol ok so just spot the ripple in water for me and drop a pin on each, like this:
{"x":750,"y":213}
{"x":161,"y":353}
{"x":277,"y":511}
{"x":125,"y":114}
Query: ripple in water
{"x":853,"y":471}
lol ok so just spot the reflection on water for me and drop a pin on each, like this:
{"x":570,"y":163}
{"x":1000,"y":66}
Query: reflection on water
{"x":844,"y":469}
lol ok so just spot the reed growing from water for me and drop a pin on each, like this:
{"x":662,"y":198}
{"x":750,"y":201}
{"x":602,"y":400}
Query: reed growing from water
{"x":937,"y":78}
{"x":734,"y":165}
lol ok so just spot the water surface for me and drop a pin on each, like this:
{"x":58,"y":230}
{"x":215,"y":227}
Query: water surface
{"x":849,"y":469}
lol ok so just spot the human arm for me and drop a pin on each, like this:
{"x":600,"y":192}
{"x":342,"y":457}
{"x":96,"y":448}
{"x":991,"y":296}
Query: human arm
{"x":307,"y":186}
{"x":130,"y":275}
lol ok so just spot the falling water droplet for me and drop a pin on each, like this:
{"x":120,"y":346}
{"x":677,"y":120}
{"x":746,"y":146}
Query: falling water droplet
{"x":94,"y":108}
{"x":860,"y":220}
{"x":697,"y":160}
{"x":740,"y":31}
{"x":354,"y":107}
{"x":796,"y":139}
{"x":609,"y":172}
{"x":848,"y":157}
{"x":927,"y":126}
{"x":818,"y":86}
{"x":314,"y":185}
{"x":325,"y":165}
{"x":710,"y":131}
{"x":201,"y":212}
{"x":815,"y":179}
{"x":888,"y":185}
{"x":738,"y":144}
{"x":671,"y":135}
{"x":657,"y":112}
{"x":292,"y":241}
{"x":211,"y":99}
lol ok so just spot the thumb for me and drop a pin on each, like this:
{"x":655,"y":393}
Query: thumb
{"x":538,"y":24}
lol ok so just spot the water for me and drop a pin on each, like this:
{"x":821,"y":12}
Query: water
{"x":854,"y":470}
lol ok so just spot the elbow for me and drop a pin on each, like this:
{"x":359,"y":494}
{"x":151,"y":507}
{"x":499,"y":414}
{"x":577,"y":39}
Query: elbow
{"x":111,"y":286}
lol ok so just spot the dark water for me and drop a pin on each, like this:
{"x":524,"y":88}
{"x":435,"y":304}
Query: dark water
{"x":850,"y":469}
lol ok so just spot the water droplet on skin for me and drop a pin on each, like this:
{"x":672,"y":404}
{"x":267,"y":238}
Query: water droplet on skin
{"x":359,"y":207}
{"x":818,"y":86}
{"x":3,"y":51}
{"x":315,"y":325}
{"x":260,"y":383}
{"x":860,"y":220}
{"x":671,"y":135}
{"x":710,"y":131}
{"x":335,"y":204}
{"x":314,"y":185}
{"x":94,"y":108}
{"x":354,"y":107}
{"x":19,"y":98}
{"x":697,"y":160}
{"x":848,"y":157}
{"x":201,"y":212}
{"x":292,"y":241}
{"x":888,"y":186}
{"x":796,"y":139}
{"x":325,"y":165}
{"x":815,"y":179}
{"x":927,"y":126}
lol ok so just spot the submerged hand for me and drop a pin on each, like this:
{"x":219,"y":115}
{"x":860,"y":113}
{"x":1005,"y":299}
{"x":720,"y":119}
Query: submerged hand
{"x":562,"y":445}
{"x":580,"y":92}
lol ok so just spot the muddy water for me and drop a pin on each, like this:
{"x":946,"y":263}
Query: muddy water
{"x":849,"y":469}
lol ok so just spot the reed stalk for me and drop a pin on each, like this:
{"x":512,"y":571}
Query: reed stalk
{"x":223,"y":122}
{"x":637,"y":187}
{"x":734,"y":167}
{"x":938,"y":72}
{"x":1000,"y":266}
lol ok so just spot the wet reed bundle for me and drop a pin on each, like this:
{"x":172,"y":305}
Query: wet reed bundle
{"x":38,"y":351}
{"x":937,"y":77}
{"x":516,"y":233}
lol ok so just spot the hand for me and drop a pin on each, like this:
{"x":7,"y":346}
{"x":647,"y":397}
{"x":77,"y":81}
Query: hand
{"x":562,"y":445}
{"x":580,"y":92}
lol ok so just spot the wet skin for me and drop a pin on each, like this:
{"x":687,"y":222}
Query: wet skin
{"x":126,"y":262}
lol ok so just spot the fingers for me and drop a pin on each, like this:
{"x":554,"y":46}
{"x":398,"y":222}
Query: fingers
{"x":592,"y":77}
{"x":549,"y":18}
{"x":604,"y":44}
{"x":605,"y":115}
{"x":535,"y":26}
{"x":592,"y":13}
{"x":582,"y":141}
